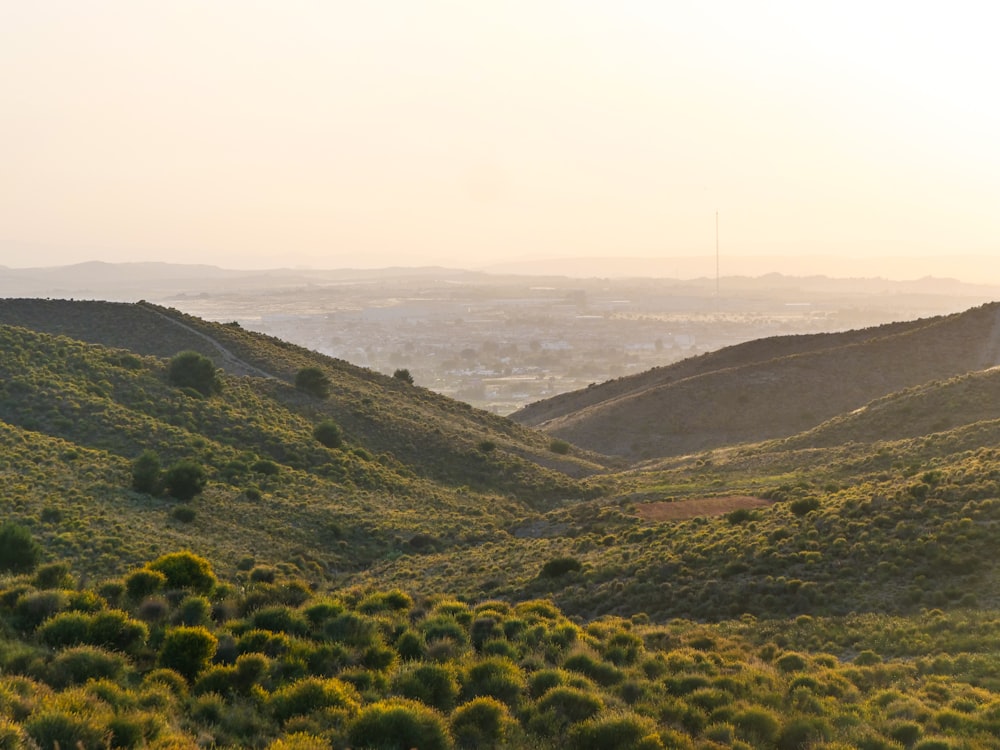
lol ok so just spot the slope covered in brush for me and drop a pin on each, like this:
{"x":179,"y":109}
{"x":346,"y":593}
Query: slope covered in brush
{"x":75,"y":417}
{"x":773,"y":388}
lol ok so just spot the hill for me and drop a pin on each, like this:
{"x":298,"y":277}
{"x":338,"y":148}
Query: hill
{"x":413,"y":471}
{"x":768,"y":388}
{"x":427,"y":581}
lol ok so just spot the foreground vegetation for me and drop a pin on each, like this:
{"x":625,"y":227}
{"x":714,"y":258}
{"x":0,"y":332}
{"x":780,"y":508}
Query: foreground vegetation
{"x":170,"y":657}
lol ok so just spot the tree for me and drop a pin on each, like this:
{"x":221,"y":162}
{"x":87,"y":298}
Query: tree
{"x":328,"y":433}
{"x":193,"y":370}
{"x":313,"y":381}
{"x":19,"y":552}
{"x":146,"y":473}
{"x":184,"y":480}
{"x":404,"y":375}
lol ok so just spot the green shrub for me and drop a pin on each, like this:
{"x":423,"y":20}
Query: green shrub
{"x":76,"y":665}
{"x":615,"y":732}
{"x":559,"y":446}
{"x":433,"y":684}
{"x":54,"y":728}
{"x":313,"y":381}
{"x":144,"y":582}
{"x":559,"y":566}
{"x":187,"y":650}
{"x":64,"y":629}
{"x":147,"y":473}
{"x":804,"y":505}
{"x":114,"y":629}
{"x":53,"y":576}
{"x":19,"y":552}
{"x":403,"y":375}
{"x":328,"y":433}
{"x":184,"y":514}
{"x":193,"y":370}
{"x":482,"y":722}
{"x":497,"y":677}
{"x":757,"y":725}
{"x":399,"y":724}
{"x":280,"y":619}
{"x":184,"y":480}
{"x":599,"y":671}
{"x":185,"y":570}
{"x":311,"y":694}
{"x":563,"y":706}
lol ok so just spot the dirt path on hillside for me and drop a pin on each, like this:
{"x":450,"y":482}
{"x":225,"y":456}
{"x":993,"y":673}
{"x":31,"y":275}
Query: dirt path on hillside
{"x":231,"y":363}
{"x":683,"y":510}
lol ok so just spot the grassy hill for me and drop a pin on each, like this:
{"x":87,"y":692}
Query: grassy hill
{"x":766,"y":389}
{"x":443,"y":578}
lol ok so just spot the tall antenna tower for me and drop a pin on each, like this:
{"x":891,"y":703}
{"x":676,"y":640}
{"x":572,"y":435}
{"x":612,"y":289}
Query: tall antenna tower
{"x":717,"y":253}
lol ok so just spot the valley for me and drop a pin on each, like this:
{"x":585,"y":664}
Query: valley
{"x":800,"y":552}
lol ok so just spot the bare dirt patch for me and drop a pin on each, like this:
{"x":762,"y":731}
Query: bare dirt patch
{"x":683,"y":510}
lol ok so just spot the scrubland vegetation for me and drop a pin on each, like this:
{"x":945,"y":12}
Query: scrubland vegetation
{"x":318,"y":556}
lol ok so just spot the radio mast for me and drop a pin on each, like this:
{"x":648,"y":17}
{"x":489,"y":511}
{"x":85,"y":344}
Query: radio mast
{"x":716,"y":253}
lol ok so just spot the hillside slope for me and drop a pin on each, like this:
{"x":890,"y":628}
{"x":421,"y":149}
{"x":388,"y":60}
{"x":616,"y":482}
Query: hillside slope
{"x":768,"y":388}
{"x":435,"y":436}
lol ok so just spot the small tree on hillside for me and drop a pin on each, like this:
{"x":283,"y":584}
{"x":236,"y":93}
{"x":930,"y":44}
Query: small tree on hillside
{"x":313,"y":381}
{"x":328,"y":433}
{"x":19,"y":552}
{"x":146,"y":473}
{"x":193,"y":370}
{"x":184,"y":480}
{"x":404,"y":375}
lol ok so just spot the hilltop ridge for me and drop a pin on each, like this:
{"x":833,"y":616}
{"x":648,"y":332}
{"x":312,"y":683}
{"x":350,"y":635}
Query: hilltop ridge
{"x":768,"y":388}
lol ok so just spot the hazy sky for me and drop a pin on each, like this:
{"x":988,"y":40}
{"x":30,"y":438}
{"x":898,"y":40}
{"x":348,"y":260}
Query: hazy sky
{"x":246,"y":133}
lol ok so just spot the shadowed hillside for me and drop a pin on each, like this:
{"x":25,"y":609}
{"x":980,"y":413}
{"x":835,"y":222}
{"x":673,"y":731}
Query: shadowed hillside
{"x":768,"y":388}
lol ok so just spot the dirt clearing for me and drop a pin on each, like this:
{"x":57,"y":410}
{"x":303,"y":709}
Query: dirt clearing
{"x":682,"y":510}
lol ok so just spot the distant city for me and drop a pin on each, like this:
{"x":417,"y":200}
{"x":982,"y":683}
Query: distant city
{"x":501,"y":341}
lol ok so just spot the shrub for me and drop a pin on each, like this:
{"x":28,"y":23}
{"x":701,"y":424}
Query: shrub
{"x":53,"y":728}
{"x":144,"y":582}
{"x":193,"y":370}
{"x":328,"y":433}
{"x":482,"y":722}
{"x":615,"y":732}
{"x":559,"y":566}
{"x":185,"y":570}
{"x":399,"y":724}
{"x":433,"y":684}
{"x":184,"y":513}
{"x":114,"y":629}
{"x":64,"y":629}
{"x":184,"y":480}
{"x":146,"y":473}
{"x":757,"y":725}
{"x":559,"y":446}
{"x":187,"y":650}
{"x":76,"y":665}
{"x":599,"y":671}
{"x":53,"y":576}
{"x":311,"y":694}
{"x":313,"y":381}
{"x":404,"y":375}
{"x":19,"y":552}
{"x":804,"y":505}
{"x":569,"y":705}
{"x":497,"y":677}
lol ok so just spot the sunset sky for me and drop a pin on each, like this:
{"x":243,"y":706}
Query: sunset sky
{"x":253,"y":134}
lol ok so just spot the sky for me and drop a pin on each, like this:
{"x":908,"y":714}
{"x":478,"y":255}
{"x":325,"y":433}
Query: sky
{"x":326,"y":134}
